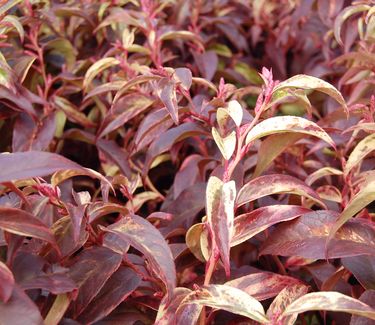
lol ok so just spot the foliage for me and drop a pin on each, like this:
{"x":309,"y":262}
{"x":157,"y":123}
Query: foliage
{"x":149,"y":174}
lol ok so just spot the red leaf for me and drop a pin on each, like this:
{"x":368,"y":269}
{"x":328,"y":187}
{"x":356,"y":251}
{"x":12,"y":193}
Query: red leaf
{"x":22,"y":223}
{"x":55,"y":283}
{"x":307,"y":236}
{"x":133,"y":229}
{"x":119,"y":286}
{"x":29,"y":135}
{"x":92,"y":268}
{"x":169,"y":99}
{"x":20,"y":310}
{"x":6,"y":283}
{"x":275,"y":184}
{"x":22,"y":165}
{"x":249,"y":224}
{"x":263,"y":285}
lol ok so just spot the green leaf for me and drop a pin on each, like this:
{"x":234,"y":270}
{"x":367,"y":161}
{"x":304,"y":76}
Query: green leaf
{"x":229,"y":299}
{"x":282,"y":124}
{"x":308,"y":82}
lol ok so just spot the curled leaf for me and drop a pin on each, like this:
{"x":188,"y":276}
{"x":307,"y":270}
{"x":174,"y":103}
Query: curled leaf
{"x":283,"y":124}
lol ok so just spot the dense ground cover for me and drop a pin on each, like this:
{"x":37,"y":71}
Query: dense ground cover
{"x":187,"y":162}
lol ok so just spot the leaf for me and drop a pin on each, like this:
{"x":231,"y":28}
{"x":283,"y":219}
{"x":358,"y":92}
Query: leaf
{"x":344,"y":15}
{"x":249,"y":224}
{"x":6,"y":5}
{"x":90,"y":271}
{"x":227,"y":145}
{"x":116,"y":154}
{"x":361,"y":150}
{"x":124,"y":110}
{"x":275,"y":184}
{"x":322,"y":172}
{"x":29,"y":135}
{"x":306,"y":237}
{"x":72,"y":112}
{"x":193,"y":241}
{"x":154,"y":124}
{"x":281,"y":302}
{"x":119,"y":286}
{"x":363,"y":268}
{"x":58,"y":309}
{"x":20,"y":222}
{"x":153,"y":246}
{"x":263,"y":285}
{"x":207,"y":63}
{"x":282,"y":124}
{"x":6,"y":283}
{"x":235,"y":111}
{"x":64,"y":48}
{"x":56,"y":283}
{"x":14,"y":21}
{"x":23,"y":165}
{"x":332,"y":301}
{"x":184,"y":76}
{"x":360,"y":200}
{"x":220,"y":199}
{"x":368,"y":297}
{"x":20,"y":310}
{"x":309,"y":82}
{"x":272,"y":147}
{"x":96,"y":68}
{"x":229,"y":299}
{"x":167,"y":309}
{"x":181,"y":34}
{"x":165,"y":140}
{"x":169,"y":99}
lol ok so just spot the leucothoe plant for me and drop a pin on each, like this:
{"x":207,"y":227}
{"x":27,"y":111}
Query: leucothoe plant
{"x":150,"y":175}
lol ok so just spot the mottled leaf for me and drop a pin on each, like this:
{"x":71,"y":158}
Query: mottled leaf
{"x":361,"y":150}
{"x":119,"y":286}
{"x":220,"y":198}
{"x":281,"y":302}
{"x":153,"y":246}
{"x":306,"y":237}
{"x":309,"y":82}
{"x":92,"y":268}
{"x":275,"y":184}
{"x":282,"y":124}
{"x":363,"y":268}
{"x":227,"y":298}
{"x":263,"y":285}
{"x":332,"y":301}
{"x":249,"y":224}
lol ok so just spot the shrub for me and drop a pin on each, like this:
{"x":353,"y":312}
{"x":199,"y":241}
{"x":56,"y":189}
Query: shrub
{"x":150,"y":174}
